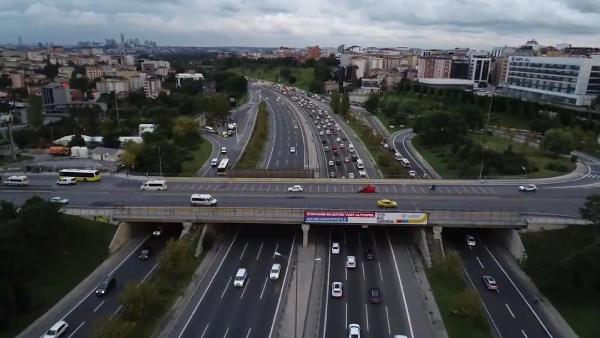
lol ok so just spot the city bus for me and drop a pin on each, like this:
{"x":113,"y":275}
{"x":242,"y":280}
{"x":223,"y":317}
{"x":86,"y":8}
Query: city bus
{"x":88,"y":175}
{"x":222,"y":168}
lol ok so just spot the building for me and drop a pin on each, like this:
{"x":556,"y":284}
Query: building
{"x":152,"y":87}
{"x":571,"y":81}
{"x":17,"y":79}
{"x":65,"y":71}
{"x":479,"y":72}
{"x":93,"y":72}
{"x":329,"y":86}
{"x":106,"y":154}
{"x":499,"y":71}
{"x":137,"y":81}
{"x":183,"y":76}
{"x":112,"y":85}
{"x":313,"y":53}
{"x":156,"y":67}
{"x":434,"y":67}
{"x":502,"y":51}
{"x":55,"y":94}
{"x":460,"y":68}
{"x":369,"y":85}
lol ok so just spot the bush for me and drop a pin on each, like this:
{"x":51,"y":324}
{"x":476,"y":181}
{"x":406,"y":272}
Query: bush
{"x":556,"y":166}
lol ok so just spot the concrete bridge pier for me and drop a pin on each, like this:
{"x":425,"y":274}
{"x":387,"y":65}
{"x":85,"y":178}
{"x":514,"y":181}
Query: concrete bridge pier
{"x":122,"y":235}
{"x":437,"y":238}
{"x":305,"y":228}
{"x":187,"y":227}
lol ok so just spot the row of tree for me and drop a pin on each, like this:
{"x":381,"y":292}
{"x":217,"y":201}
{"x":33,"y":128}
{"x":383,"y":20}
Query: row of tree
{"x":340,"y":103}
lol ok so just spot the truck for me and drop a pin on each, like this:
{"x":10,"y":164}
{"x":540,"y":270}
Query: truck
{"x":59,"y":151}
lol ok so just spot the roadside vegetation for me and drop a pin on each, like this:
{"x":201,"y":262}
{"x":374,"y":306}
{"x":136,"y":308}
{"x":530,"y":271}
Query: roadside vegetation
{"x":254,"y":150}
{"x":298,"y":77}
{"x":564,"y":266}
{"x":145,"y":304}
{"x":459,"y":305}
{"x":35,"y":240}
{"x":198,"y":157}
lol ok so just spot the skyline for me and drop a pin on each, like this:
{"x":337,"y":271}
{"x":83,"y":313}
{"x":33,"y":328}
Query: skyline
{"x":268,"y":23}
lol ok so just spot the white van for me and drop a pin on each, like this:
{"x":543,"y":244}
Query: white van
{"x":351,"y":147}
{"x":240,"y":278}
{"x":398,"y":156}
{"x":405,"y":163}
{"x":214,"y":162}
{"x":17,"y":181}
{"x":154,"y":185}
{"x":203,"y":199}
{"x":360,"y":164}
{"x":66,"y":181}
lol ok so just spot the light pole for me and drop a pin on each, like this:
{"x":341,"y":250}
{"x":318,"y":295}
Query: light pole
{"x":159,"y":161}
{"x":525,"y":170}
{"x":117,"y":108}
{"x":296,"y":287}
{"x":481,"y":167}
{"x":487,"y":124}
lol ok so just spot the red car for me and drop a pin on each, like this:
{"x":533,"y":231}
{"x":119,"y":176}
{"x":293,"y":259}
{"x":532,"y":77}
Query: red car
{"x":368,"y":189}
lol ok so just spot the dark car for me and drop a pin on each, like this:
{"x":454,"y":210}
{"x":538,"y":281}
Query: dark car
{"x":105,"y":287}
{"x":323,"y":141}
{"x":145,"y":253}
{"x":338,"y":162}
{"x":369,"y":254}
{"x":374,"y":296}
{"x":354,"y":157}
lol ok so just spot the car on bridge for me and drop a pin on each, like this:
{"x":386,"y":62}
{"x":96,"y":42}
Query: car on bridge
{"x":292,"y":150}
{"x":386,"y":203}
{"x":368,"y":189}
{"x":295,"y":188}
{"x":528,"y":188}
{"x":108,"y":284}
{"x":490,"y":283}
{"x":145,"y":253}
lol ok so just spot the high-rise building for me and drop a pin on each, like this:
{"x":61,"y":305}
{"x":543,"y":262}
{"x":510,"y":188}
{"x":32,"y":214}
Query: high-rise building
{"x":434,"y":67}
{"x":313,"y":53}
{"x":152,"y":87}
{"x":572,"y":81}
{"x":112,"y":85}
{"x":479,"y":72}
{"x":55,"y":94}
{"x":93,"y":72}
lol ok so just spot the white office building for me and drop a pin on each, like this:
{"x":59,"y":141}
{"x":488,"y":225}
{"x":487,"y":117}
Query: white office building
{"x":572,"y":81}
{"x":479,"y":72}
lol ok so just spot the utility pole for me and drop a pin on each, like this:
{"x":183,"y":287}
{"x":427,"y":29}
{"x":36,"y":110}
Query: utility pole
{"x":13,"y":154}
{"x":117,"y":108}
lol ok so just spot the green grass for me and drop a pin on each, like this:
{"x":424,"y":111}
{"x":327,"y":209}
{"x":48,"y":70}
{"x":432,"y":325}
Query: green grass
{"x":442,"y":159}
{"x":546,"y":252}
{"x":304,"y":76}
{"x":199,"y":156}
{"x":254,"y":150}
{"x":87,"y":248}
{"x":509,"y":121}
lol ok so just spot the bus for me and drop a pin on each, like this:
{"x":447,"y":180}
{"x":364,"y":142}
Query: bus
{"x":222,"y":167}
{"x":88,"y":175}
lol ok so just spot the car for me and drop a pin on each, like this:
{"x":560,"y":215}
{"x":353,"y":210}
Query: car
{"x":528,"y":187}
{"x":144,"y":253}
{"x":334,"y":147}
{"x":470,"y":240}
{"x":386,"y":146}
{"x":354,"y":157}
{"x":346,"y":159}
{"x":335,"y":248}
{"x":385,"y":203}
{"x":326,"y":148}
{"x":332,"y":174}
{"x":350,"y":175}
{"x":338,"y":162}
{"x":369,"y":254}
{"x":374,"y":296}
{"x":330,"y":163}
{"x":412,"y":173}
{"x":334,"y":132}
{"x":157,"y":232}
{"x":295,"y":126}
{"x":353,"y":331}
{"x":351,"y":262}
{"x":223,"y":150}
{"x":328,"y":132}
{"x":67,"y":181}
{"x":335,"y":152}
{"x":342,"y":146}
{"x":107,"y":284}
{"x":57,"y":330}
{"x":295,"y":188}
{"x":292,"y":150}
{"x":344,"y":138}
{"x":275,"y":270}
{"x":324,"y":141}
{"x":338,"y":139}
{"x":214,"y":162}
{"x":368,"y":189}
{"x":59,"y":200}
{"x":490,"y":283}
{"x":321,"y":133}
{"x":336,"y":289}
{"x":362,"y":173}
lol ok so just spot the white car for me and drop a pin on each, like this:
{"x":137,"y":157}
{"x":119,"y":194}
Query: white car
{"x":470,"y":240}
{"x":350,"y":175}
{"x":353,"y":331}
{"x":59,"y":200}
{"x":295,"y":188}
{"x":214,"y":162}
{"x":292,"y":150}
{"x":275,"y":270}
{"x":328,"y":132}
{"x":412,"y":173}
{"x":338,"y":139}
{"x":67,"y":181}
{"x":335,"y":248}
{"x":362,"y":173}
{"x":528,"y":187}
{"x":385,"y":145}
{"x":351,"y":262}
{"x":321,"y":133}
{"x":330,"y":163}
{"x":336,"y":289}
{"x":224,"y":150}
{"x":57,"y":330}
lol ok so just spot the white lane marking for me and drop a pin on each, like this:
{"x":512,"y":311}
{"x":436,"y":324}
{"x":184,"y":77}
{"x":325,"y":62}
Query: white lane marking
{"x":346,"y":313}
{"x":248,"y":334}
{"x":226,"y":286}
{"x":244,"y":250}
{"x":479,"y":261}
{"x":226,"y":332}
{"x":118,"y":310}
{"x":387,"y":317}
{"x":274,"y":137}
{"x":208,"y":287}
{"x":367,"y":317}
{"x":395,"y":191}
{"x":483,"y":303}
{"x":363,"y":270}
{"x":518,"y":291}
{"x":412,"y":334}
{"x":285,"y":279}
{"x":346,"y":272}
{"x":276,"y":246}
{"x":327,"y":295}
{"x":77,"y":329}
{"x":149,"y":273}
{"x":524,"y":334}
{"x":510,"y":311}
{"x":99,"y":305}
{"x":110,"y":273}
{"x":205,"y":329}
{"x":263,"y":288}
{"x":245,"y":287}
{"x":380,"y":272}
{"x":259,"y":250}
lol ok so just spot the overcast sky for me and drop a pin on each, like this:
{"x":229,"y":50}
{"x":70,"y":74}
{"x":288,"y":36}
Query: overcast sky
{"x":299,"y":23}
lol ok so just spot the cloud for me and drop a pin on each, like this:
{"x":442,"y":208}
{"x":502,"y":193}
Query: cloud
{"x":44,"y":14}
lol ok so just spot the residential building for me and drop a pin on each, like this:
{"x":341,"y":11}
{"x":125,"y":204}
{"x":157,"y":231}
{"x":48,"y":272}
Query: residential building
{"x":361,"y":64}
{"x":65,"y":71}
{"x":137,"y":81}
{"x":55,"y":94}
{"x":499,"y":71}
{"x":156,"y":67}
{"x":460,"y":68}
{"x":502,"y":51}
{"x":112,"y":85}
{"x":434,"y":67}
{"x":108,"y":70}
{"x":572,"y":81}
{"x":370,"y":85}
{"x":479,"y":72}
{"x":152,"y":87}
{"x":313,"y":53}
{"x":183,"y":76}
{"x":17,"y":79}
{"x":550,"y":51}
{"x":93,"y":72}
{"x":329,"y":86}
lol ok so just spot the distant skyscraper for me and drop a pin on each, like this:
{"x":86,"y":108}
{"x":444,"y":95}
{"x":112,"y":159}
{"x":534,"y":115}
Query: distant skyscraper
{"x":20,"y":41}
{"x":122,"y":41}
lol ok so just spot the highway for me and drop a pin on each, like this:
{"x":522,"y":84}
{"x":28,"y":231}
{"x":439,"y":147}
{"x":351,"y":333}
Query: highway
{"x":218,"y":309}
{"x":399,"y":142}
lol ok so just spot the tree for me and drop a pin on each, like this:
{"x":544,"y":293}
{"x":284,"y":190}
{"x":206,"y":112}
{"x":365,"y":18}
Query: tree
{"x":468,"y":305}
{"x":50,"y":70}
{"x":335,"y":101}
{"x":292,"y":79}
{"x":372,"y":103}
{"x":138,"y":300}
{"x":34,"y":112}
{"x":285,"y":73}
{"x":345,"y":105}
{"x":113,"y":327}
{"x":77,"y":141}
{"x":441,"y":127}
{"x":558,"y":141}
{"x":110,"y":139}
{"x":473,"y":117}
{"x":5,"y":81}
{"x":174,"y":262}
{"x":185,"y":130}
{"x":591,"y":209}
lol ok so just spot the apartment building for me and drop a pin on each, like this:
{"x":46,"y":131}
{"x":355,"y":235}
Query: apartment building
{"x":112,"y":85}
{"x":434,"y":67}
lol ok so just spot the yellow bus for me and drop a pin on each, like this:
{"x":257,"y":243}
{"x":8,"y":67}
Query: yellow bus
{"x":88,"y":175}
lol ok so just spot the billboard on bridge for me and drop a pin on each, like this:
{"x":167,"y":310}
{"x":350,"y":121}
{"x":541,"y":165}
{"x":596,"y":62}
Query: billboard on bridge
{"x":364,"y":217}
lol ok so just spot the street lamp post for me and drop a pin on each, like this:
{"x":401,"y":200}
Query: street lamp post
{"x":296,"y":287}
{"x":525,"y":170}
{"x":481,"y":167}
{"x":117,"y":109}
{"x":159,"y":161}
{"x":487,"y":124}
